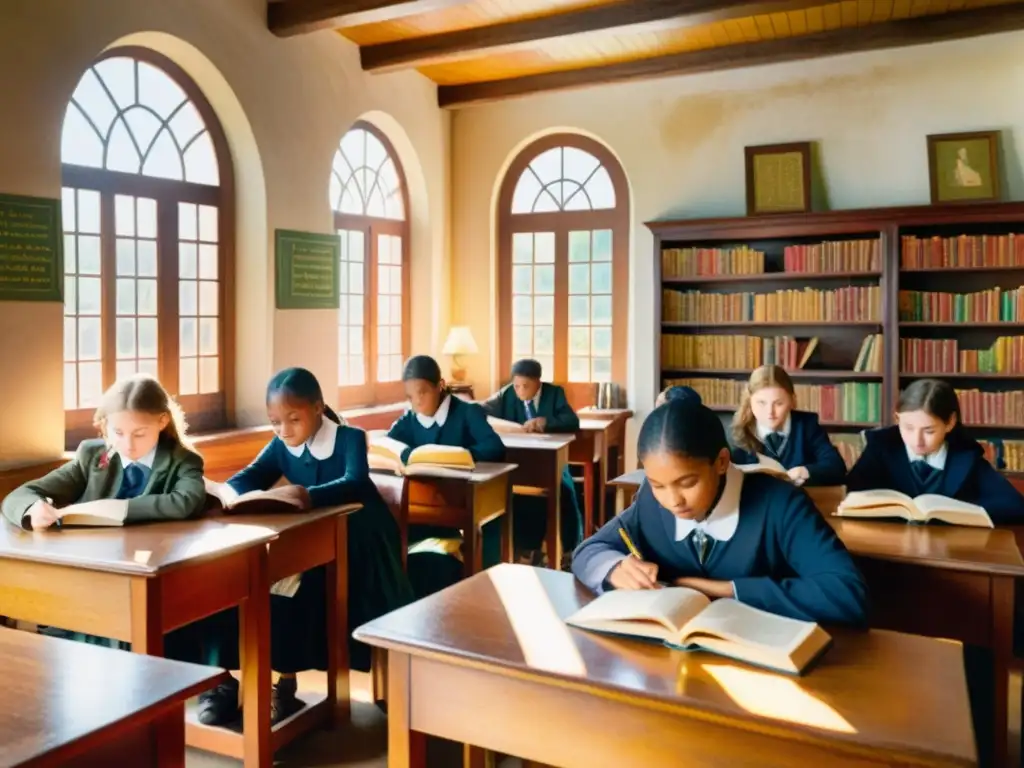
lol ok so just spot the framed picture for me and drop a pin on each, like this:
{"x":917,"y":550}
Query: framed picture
{"x":778,"y":178}
{"x":964,"y":167}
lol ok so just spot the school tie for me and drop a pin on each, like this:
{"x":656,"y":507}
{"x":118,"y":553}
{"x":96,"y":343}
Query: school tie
{"x":134,"y":481}
{"x":528,"y":405}
{"x":773,"y":441}
{"x":923,"y":471}
{"x":702,"y":544}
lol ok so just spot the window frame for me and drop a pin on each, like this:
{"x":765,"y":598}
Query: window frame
{"x":561,"y":223}
{"x":371,"y":392}
{"x":208,"y":411}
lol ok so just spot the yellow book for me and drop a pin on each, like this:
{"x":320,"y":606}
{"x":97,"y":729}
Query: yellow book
{"x":386,"y":453}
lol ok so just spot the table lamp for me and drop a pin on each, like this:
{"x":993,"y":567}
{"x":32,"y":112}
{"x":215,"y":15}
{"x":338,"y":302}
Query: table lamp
{"x":460,"y":342}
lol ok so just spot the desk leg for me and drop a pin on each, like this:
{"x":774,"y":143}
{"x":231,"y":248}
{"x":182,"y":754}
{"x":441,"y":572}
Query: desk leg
{"x":1002,"y":650}
{"x":589,"y":470}
{"x":507,"y":529}
{"x":254,"y":653}
{"x":554,"y":535}
{"x":406,"y":748}
{"x":601,"y":481}
{"x":338,"y":663}
{"x":477,"y":757}
{"x":472,"y":538}
{"x":169,"y":738}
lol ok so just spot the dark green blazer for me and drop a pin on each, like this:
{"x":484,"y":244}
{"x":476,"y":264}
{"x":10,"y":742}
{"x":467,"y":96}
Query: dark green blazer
{"x":175,"y":490}
{"x":553,"y":407}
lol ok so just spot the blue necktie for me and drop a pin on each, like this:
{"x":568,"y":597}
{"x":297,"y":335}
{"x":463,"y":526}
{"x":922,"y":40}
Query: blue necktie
{"x":773,"y":442}
{"x":134,"y":481}
{"x":528,"y":405}
{"x":923,"y":471}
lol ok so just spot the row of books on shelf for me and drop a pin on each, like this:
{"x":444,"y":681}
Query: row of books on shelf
{"x":850,"y":446}
{"x":940,"y":356}
{"x":962,"y":251}
{"x":991,"y":408}
{"x":1007,"y":455}
{"x":818,"y":258}
{"x":852,"y":402}
{"x":740,"y":353}
{"x":992,"y":306}
{"x":849,"y":304}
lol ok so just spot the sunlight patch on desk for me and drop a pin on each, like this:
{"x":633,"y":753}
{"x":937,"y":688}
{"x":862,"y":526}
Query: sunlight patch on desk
{"x":221,"y":537}
{"x":542,"y":635}
{"x":777,"y":697}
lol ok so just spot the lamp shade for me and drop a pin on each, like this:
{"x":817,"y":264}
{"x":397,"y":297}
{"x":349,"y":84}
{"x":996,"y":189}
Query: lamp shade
{"x":460,"y":341}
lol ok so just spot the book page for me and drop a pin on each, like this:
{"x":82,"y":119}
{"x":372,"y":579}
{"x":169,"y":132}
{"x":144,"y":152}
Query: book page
{"x":382,"y":445}
{"x":445,"y":455}
{"x":732,"y":620}
{"x":879,"y":502}
{"x":952,"y":511}
{"x":505,"y":427}
{"x":96,"y":513}
{"x":671,"y":608}
{"x":765,"y":465}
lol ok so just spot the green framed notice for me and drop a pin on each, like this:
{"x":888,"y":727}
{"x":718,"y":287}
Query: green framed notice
{"x":307,"y":269}
{"x":31,"y":249}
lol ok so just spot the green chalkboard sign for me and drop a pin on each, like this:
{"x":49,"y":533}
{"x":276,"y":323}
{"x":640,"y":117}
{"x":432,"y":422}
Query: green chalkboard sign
{"x":307,"y":270}
{"x":31,"y":259}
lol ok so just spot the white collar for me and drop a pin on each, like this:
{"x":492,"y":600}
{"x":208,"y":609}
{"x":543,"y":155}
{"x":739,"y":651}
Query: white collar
{"x":146,"y":461}
{"x":440,"y":415}
{"x":763,"y":432}
{"x":721,"y":523}
{"x":321,"y":444}
{"x":935,"y":460}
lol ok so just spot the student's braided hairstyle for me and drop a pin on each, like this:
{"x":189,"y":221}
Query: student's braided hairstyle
{"x":682,"y":427}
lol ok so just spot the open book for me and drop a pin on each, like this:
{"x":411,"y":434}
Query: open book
{"x":386,"y":453}
{"x":684,"y":618}
{"x":765,"y":465}
{"x":283,"y":498}
{"x":95,"y":514}
{"x":883,"y":502}
{"x":505,"y":427}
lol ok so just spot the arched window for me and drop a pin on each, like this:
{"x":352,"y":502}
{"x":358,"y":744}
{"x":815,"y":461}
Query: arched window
{"x":368,"y":196}
{"x":147,"y":213}
{"x":563,"y":231}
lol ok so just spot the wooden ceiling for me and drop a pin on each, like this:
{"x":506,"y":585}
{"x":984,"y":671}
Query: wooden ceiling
{"x":482,"y":50}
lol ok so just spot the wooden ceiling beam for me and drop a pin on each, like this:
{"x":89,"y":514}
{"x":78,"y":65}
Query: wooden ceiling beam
{"x":890,"y":34}
{"x":636,"y":15}
{"x":296,"y":17}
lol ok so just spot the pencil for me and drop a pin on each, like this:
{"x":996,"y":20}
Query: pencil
{"x":629,"y":544}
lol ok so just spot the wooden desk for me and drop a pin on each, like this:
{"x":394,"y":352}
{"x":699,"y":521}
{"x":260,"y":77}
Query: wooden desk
{"x":490,"y":662}
{"x":467,"y":501}
{"x":943,"y":581}
{"x":540,"y":461}
{"x":590,"y":450}
{"x":72,"y":703}
{"x":626,"y":487}
{"x":616,"y":436}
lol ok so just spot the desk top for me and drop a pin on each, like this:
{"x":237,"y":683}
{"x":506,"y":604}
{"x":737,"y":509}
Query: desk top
{"x":880,"y":690}
{"x":484,"y":472}
{"x":590,"y":412}
{"x":596,"y":425}
{"x":62,"y":691}
{"x":634,"y":478}
{"x":549,"y":442}
{"x":151,"y":548}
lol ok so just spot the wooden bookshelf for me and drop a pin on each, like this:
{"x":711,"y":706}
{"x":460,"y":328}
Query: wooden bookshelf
{"x":840,"y":341}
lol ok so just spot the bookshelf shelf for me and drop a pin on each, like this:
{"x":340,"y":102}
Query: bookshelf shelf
{"x":891,"y":237}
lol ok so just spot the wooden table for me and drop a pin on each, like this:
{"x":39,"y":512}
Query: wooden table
{"x":943,"y":581}
{"x":626,"y":487}
{"x":71,"y":703}
{"x":540,"y":461}
{"x":616,"y":436}
{"x":467,"y":501}
{"x":137,"y":583}
{"x":490,"y":662}
{"x":590,"y":450}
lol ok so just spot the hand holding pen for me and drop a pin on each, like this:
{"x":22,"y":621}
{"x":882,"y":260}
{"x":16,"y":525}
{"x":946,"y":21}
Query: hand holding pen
{"x":633,"y":572}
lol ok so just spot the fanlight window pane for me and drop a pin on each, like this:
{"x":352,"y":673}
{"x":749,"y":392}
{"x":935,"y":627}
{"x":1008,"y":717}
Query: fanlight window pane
{"x":563,"y":179}
{"x":364,"y":178}
{"x":129,"y":116}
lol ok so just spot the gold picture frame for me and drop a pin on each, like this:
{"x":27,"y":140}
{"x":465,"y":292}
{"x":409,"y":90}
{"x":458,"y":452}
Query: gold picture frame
{"x":778,"y":178}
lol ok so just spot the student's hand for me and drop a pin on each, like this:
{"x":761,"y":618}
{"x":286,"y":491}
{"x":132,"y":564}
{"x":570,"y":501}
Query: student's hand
{"x":631,"y":573}
{"x":536,"y":425}
{"x":709,"y":587}
{"x":42,"y":514}
{"x":799,"y":475}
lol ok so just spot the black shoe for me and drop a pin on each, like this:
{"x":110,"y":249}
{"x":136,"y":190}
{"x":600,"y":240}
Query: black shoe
{"x":567,"y":561}
{"x":219,"y":706}
{"x":534,"y":557}
{"x":283,"y":700}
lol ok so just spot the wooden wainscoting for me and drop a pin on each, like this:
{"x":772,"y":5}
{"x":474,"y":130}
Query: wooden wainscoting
{"x":16,"y":476}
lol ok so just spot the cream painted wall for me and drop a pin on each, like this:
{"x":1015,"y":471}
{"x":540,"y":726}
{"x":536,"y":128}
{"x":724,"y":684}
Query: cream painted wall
{"x":285,"y":105}
{"x":681,"y":143}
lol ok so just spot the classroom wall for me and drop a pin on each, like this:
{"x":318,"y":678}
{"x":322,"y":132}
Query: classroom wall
{"x":284,"y":105}
{"x":681,"y":143}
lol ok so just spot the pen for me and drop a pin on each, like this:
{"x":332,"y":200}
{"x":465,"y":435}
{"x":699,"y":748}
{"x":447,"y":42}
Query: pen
{"x":629,"y":544}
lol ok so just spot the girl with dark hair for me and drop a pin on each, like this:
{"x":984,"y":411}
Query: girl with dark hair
{"x":929,"y":451}
{"x":326,"y":461}
{"x":436,"y":417}
{"x":678,"y":393}
{"x":701,"y":523}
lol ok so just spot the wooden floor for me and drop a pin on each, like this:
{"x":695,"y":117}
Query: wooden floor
{"x":364,"y":743}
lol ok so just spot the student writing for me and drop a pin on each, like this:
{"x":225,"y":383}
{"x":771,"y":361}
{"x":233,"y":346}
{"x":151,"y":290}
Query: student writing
{"x":326,"y":462}
{"x":698,"y":522}
{"x":768,"y":423}
{"x":436,"y":417}
{"x":541,"y":407}
{"x":929,"y":451}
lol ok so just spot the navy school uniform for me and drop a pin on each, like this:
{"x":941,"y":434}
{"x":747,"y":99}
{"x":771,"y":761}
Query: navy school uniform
{"x":764,"y":535}
{"x":806,"y":445}
{"x":332,"y":466}
{"x":965,"y":474}
{"x":531,"y":513}
{"x":456,"y":423}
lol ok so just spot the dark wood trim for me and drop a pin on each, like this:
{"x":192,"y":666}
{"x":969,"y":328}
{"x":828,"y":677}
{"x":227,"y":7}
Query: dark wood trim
{"x":297,"y":17}
{"x":919,"y":30}
{"x":646,"y":16}
{"x":561,"y":223}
